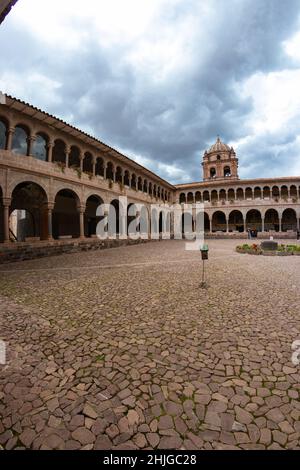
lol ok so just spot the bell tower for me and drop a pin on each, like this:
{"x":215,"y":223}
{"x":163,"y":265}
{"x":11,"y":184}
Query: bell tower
{"x":220,"y":162}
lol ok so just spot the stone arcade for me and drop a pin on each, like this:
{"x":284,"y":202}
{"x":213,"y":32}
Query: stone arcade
{"x":53,"y":177}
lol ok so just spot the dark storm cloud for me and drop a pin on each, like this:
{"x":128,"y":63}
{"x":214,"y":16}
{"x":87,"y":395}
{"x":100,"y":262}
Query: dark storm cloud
{"x":169,"y":121}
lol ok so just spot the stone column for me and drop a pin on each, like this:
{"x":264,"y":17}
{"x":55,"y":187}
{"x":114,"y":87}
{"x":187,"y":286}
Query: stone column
{"x":81,"y":157}
{"x":280,"y":224}
{"x":227,"y":224}
{"x":94,"y":168}
{"x":9,"y":138}
{"x":262,"y":223}
{"x":210,"y":224}
{"x":50,"y":150}
{"x":6,"y":206}
{"x":50,"y":208}
{"x":244,"y":220}
{"x":81,"y":211}
{"x":30,"y":142}
{"x":68,"y":151}
{"x":298,"y":223}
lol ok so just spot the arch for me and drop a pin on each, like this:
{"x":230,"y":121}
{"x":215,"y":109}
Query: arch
{"x":289,"y":220}
{"x":65,"y":216}
{"x":275,"y":192}
{"x":248,"y":193}
{"x":90,"y":218}
{"x":213,"y":172}
{"x":3,"y":133}
{"x":236,"y":221}
{"x":59,"y":152}
{"x":39,"y":149}
{"x":284,"y":193}
{"x":154,"y":190}
{"x":158,"y":192}
{"x":140,"y":227}
{"x":231,"y":194}
{"x":87,"y":165}
{"x":114,"y":212}
{"x":206,"y":222}
{"x":140,"y":184}
{"x":219,"y":222}
{"x":266,"y":192}
{"x":131,"y":218}
{"x":110,"y":171}
{"x":28,"y":216}
{"x":99,"y":167}
{"x":164,"y":223}
{"x":154,"y":223}
{"x":254,"y":220}
{"x":182,"y":198}
{"x":222,"y":195}
{"x":214,"y":195}
{"x":198,"y":196}
{"x":240,"y":194}
{"x":271,"y":221}
{"x":190,"y":198}
{"x":206,"y":196}
{"x":227,"y":171}
{"x":74,"y":158}
{"x":20,"y":140}
{"x":133,"y":181}
{"x":293,"y":193}
{"x":150,"y":188}
{"x":127,"y":178}
{"x":119,"y":175}
{"x":145,"y":186}
{"x":257,"y":192}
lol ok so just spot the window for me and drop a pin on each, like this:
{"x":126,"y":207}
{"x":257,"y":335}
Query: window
{"x":227,"y":172}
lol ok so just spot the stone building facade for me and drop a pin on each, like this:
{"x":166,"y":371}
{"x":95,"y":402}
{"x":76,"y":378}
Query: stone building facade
{"x":232,"y":205}
{"x":58,"y":176}
{"x":54,"y":176}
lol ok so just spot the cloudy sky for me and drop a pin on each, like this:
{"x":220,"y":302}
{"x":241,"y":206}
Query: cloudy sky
{"x":159,"y":79}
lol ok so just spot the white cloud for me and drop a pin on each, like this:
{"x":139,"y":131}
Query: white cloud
{"x":275,"y":97}
{"x":292,"y":46}
{"x":34,"y":87}
{"x":162,"y":78}
{"x":169,"y":172}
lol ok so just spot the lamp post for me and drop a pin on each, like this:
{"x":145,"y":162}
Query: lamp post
{"x":204,"y":257}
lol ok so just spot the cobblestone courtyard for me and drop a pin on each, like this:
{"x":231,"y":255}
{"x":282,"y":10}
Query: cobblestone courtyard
{"x":122,"y":349}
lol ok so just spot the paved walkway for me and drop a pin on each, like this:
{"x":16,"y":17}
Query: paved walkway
{"x":122,"y":349}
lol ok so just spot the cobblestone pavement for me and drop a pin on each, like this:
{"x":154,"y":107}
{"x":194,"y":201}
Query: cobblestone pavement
{"x":122,"y":349}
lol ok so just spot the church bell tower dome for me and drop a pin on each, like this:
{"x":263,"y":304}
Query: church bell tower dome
{"x":220,"y":162}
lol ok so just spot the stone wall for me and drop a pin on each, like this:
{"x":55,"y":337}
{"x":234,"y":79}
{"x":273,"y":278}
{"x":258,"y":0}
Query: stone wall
{"x":39,"y":249}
